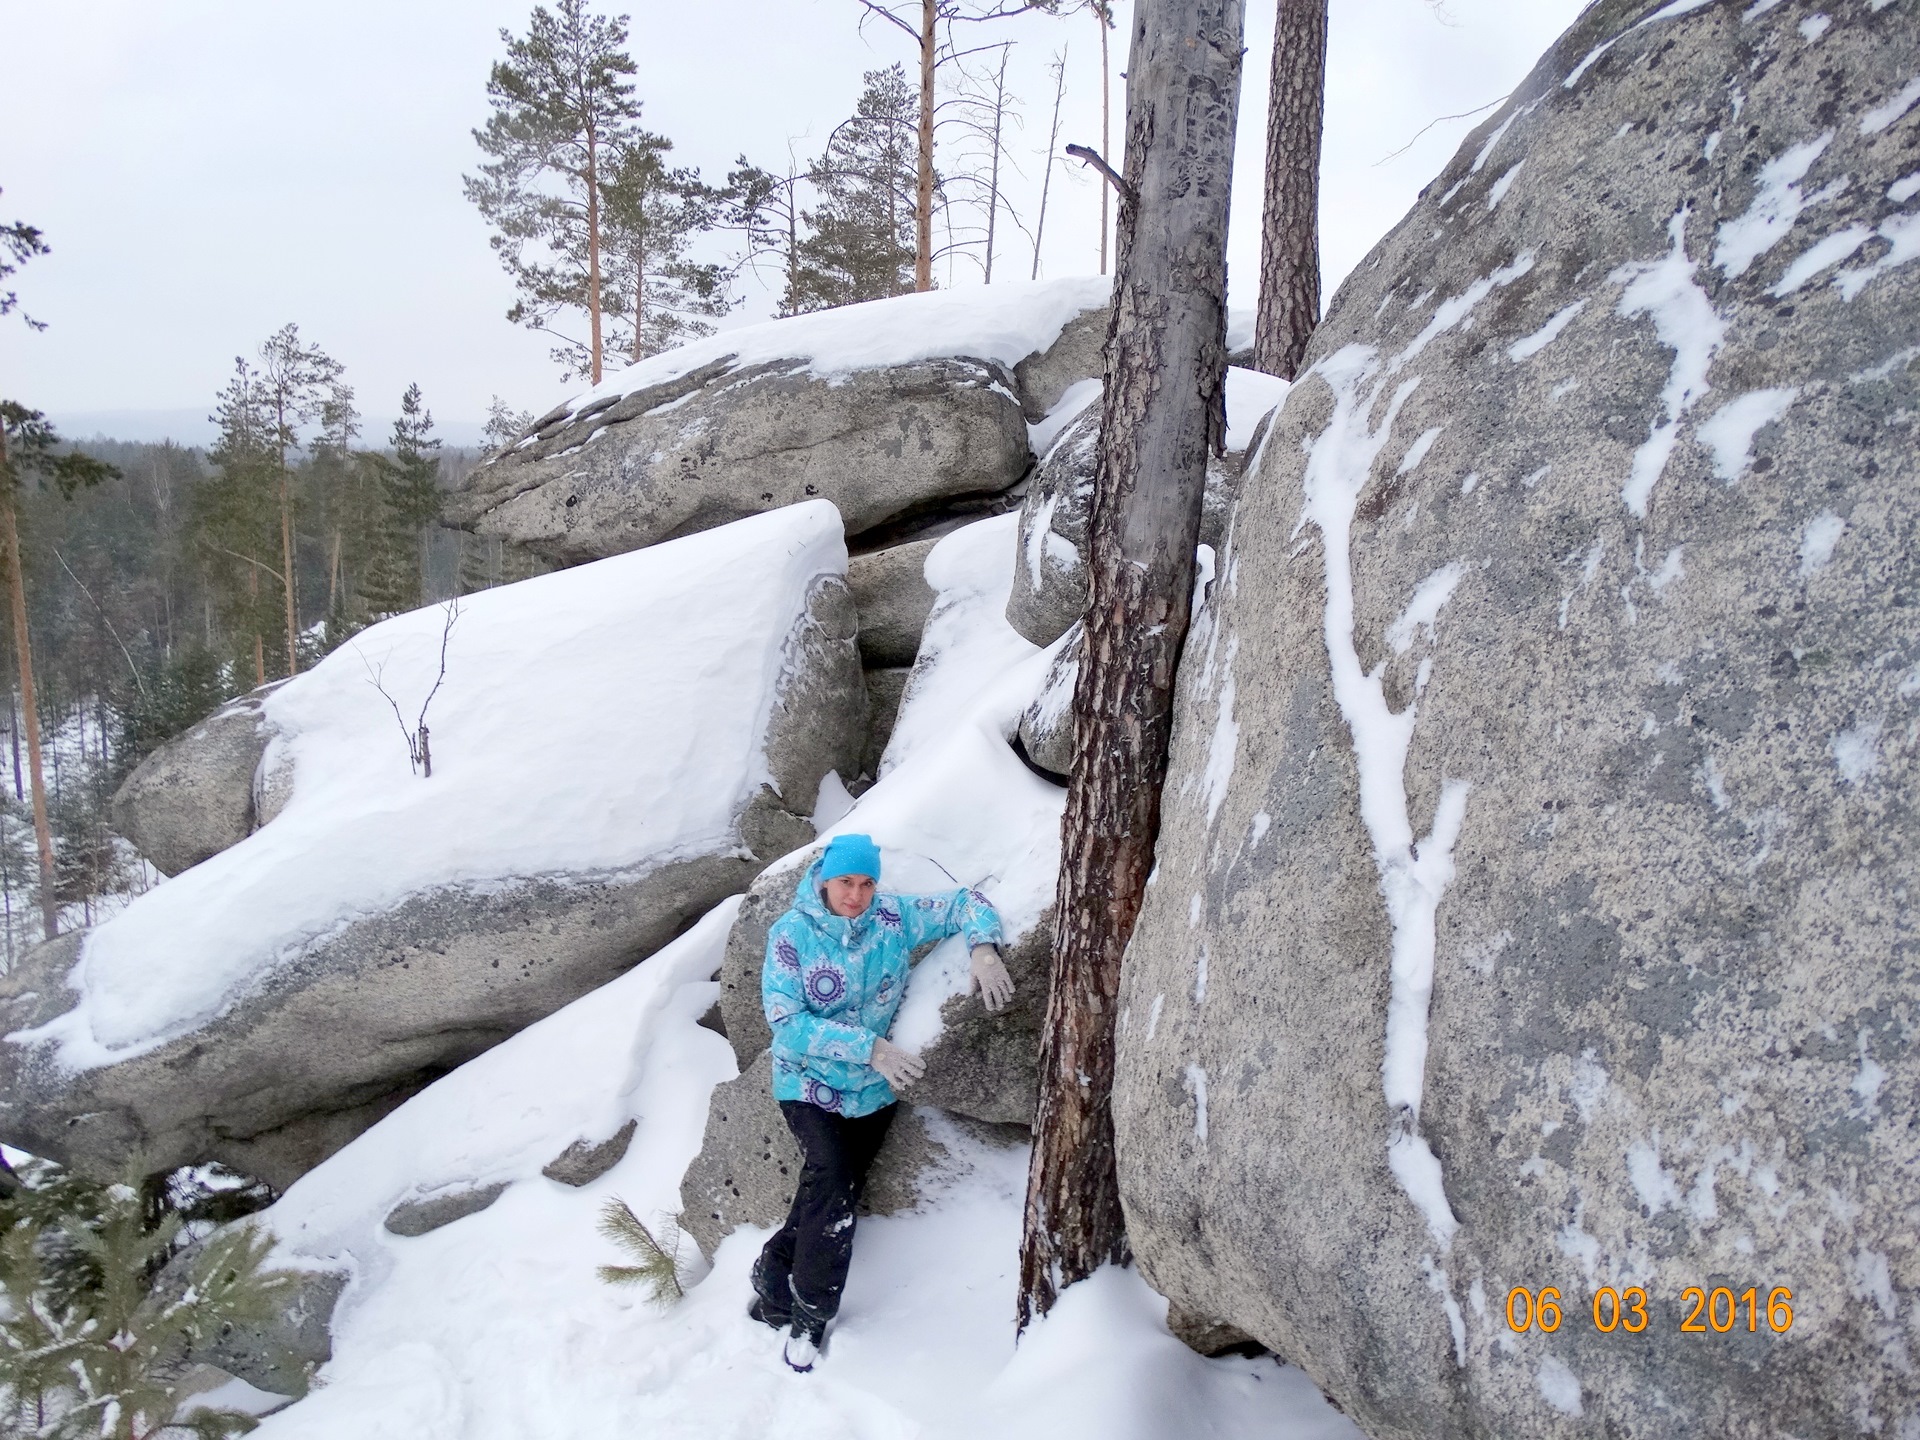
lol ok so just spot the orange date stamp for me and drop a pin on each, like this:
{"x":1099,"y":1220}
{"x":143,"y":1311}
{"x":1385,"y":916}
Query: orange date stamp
{"x":1708,"y":1312}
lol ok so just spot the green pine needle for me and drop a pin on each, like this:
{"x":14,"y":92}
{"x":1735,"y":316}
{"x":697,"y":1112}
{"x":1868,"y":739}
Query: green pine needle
{"x":658,"y":1266}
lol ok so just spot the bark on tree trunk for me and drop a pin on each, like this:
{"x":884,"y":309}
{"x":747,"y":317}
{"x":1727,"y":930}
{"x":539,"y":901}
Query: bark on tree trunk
{"x":1289,"y":305}
{"x":593,"y":250}
{"x":29,"y":703}
{"x":286,"y":565}
{"x":1104,"y":15}
{"x":923,"y":188}
{"x":1162,"y":412}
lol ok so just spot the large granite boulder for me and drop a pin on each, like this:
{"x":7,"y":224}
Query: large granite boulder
{"x":749,"y":1161}
{"x":194,"y":796}
{"x":313,"y":1042}
{"x":1535,"y":899}
{"x":724,"y":441}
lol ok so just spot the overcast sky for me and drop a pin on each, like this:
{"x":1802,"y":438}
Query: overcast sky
{"x":207,"y":170}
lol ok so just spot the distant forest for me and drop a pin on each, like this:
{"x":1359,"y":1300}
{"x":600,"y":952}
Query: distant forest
{"x":154,"y":596}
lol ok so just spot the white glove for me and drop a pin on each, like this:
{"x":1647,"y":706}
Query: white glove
{"x":990,"y":977}
{"x":899,"y":1068}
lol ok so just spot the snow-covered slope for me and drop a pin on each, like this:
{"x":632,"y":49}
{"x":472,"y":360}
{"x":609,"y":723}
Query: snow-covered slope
{"x":600,"y":720}
{"x":497,"y":1328}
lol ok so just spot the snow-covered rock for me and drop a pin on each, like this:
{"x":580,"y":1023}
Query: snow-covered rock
{"x":1535,"y":898}
{"x":193,"y":796}
{"x":1050,"y":580}
{"x":888,"y":409}
{"x":615,"y":748}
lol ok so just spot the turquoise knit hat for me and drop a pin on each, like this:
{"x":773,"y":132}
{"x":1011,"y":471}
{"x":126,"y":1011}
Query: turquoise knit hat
{"x":851,"y":855}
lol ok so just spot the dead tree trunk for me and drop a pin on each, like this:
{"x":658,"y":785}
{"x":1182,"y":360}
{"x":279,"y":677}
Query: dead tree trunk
{"x":1162,"y":412}
{"x":1289,"y":305}
{"x":923,"y":171}
{"x":29,"y":701}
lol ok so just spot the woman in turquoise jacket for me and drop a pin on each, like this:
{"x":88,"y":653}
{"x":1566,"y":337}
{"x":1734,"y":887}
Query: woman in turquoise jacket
{"x":835,"y":972}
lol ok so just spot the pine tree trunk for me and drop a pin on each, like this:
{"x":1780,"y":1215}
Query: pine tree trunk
{"x":593,"y":250}
{"x":1289,"y":305}
{"x":1162,"y":412}
{"x":286,"y":565}
{"x":639,"y":307}
{"x":923,"y":189}
{"x":23,"y":653}
{"x":1102,"y":14}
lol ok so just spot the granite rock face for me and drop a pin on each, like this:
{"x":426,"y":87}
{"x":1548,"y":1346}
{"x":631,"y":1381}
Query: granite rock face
{"x":1046,"y":726}
{"x":194,"y":796}
{"x":1592,"y":676}
{"x":376,"y":1010}
{"x":1077,"y":355}
{"x":891,"y":594}
{"x":721,"y":443}
{"x":749,"y":1161}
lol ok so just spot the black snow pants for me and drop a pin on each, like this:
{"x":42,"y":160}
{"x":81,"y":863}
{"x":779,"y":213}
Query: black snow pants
{"x":804,"y":1265}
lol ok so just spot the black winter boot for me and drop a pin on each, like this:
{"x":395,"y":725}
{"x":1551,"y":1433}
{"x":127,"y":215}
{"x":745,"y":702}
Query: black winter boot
{"x":769,"y":1308}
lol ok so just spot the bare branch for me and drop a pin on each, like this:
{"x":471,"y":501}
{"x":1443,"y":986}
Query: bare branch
{"x":374,"y":678}
{"x":245,"y":559}
{"x":1092,"y":157}
{"x":1463,"y":115}
{"x":446,"y":633}
{"x":137,"y":680}
{"x":887,"y":14}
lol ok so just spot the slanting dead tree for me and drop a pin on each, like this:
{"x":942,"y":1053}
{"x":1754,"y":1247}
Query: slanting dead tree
{"x":1162,"y":413}
{"x":419,"y":747}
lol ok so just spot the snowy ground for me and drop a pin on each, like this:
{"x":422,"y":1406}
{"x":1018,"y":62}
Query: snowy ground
{"x":497,"y":1325}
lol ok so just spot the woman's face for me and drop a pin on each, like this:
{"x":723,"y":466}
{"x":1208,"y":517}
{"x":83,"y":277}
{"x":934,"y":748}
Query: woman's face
{"x":849,"y":895}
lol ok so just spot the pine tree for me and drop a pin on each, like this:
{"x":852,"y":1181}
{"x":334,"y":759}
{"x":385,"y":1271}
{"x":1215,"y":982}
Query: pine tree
{"x":656,"y":1267}
{"x":297,"y":382}
{"x":653,"y":214}
{"x":413,"y":496}
{"x":931,"y":31}
{"x":19,"y":243}
{"x":1162,"y":413}
{"x":231,"y":518}
{"x":90,"y":1346}
{"x":1289,"y":303}
{"x":862,"y":245}
{"x":29,"y":447}
{"x":560,"y":100}
{"x":504,"y":425}
{"x":764,"y":209}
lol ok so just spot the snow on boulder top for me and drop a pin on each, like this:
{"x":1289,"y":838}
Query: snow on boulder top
{"x":1006,"y":323}
{"x":598,"y":722}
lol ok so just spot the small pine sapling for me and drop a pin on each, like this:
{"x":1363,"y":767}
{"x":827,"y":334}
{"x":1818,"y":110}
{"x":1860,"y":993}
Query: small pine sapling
{"x":89,"y":1345}
{"x":657,"y":1261}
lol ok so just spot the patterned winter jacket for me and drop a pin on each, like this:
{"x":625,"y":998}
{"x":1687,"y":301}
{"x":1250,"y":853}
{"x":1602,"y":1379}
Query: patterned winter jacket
{"x":831,"y":986}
